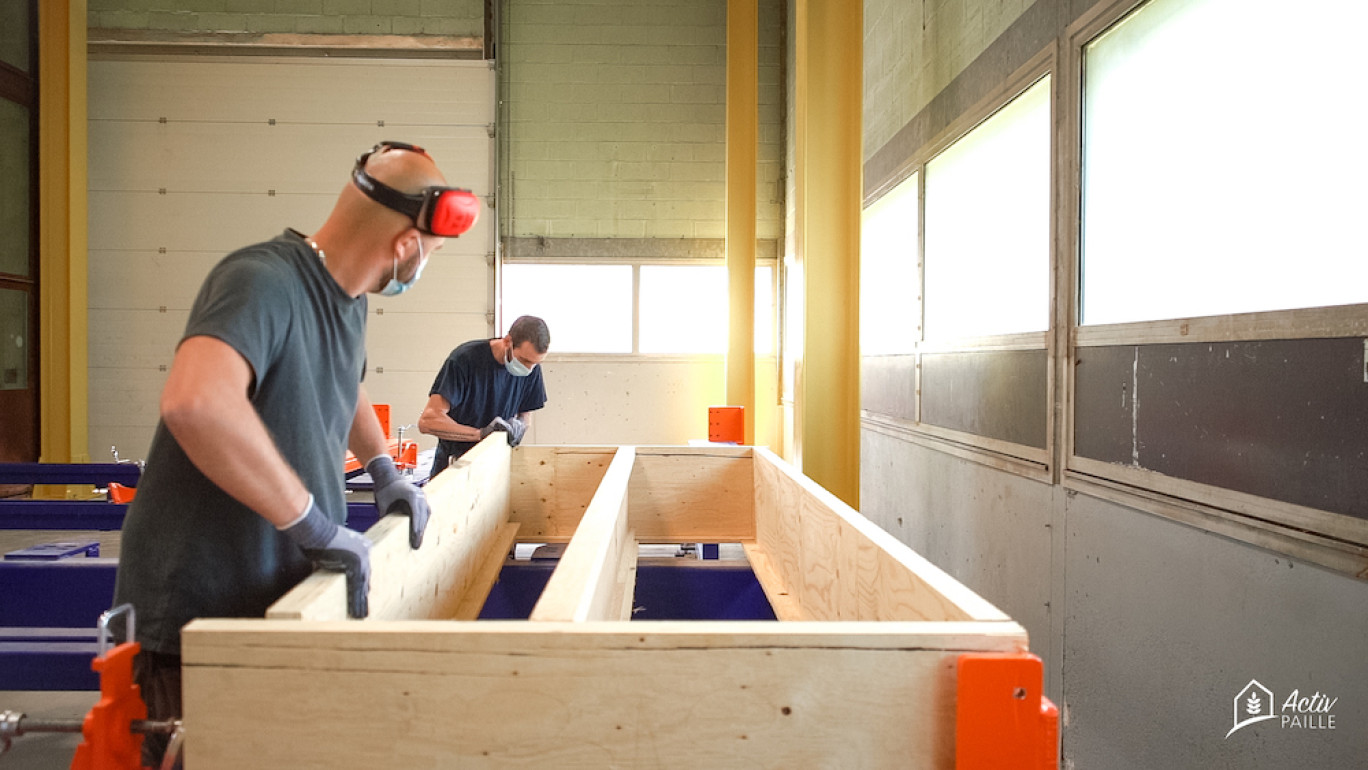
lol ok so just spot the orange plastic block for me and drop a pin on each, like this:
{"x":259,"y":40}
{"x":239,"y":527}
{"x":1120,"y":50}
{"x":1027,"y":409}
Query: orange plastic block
{"x":727,"y":423}
{"x":110,"y":743}
{"x":382,"y":413}
{"x":1003,"y":721}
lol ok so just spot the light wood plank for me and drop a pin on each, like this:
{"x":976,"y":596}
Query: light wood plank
{"x":784,"y":604}
{"x":588,"y":582}
{"x":488,"y":574}
{"x":778,"y":519}
{"x":905,"y":585}
{"x":642,"y":694}
{"x":469,"y":503}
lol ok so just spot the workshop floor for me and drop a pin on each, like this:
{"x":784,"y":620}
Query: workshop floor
{"x":44,"y":751}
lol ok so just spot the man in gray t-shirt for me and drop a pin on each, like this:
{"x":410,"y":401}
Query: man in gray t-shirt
{"x":243,"y":493}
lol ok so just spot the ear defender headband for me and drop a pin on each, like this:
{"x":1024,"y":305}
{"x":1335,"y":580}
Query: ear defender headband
{"x":446,"y":212}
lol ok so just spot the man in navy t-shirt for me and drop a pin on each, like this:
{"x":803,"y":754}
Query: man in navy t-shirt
{"x":486,"y":386}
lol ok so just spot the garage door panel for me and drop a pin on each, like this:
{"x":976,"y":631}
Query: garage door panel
{"x":198,"y":221}
{"x":292,"y":90}
{"x":223,"y":222}
{"x":256,"y":158}
{"x":135,"y":338}
{"x":115,"y":278}
{"x":194,"y":157}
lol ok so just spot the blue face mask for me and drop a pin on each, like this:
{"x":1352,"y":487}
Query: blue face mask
{"x":515,"y":367}
{"x":395,"y":287}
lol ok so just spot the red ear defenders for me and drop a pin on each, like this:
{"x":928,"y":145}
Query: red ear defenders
{"x":442,"y":211}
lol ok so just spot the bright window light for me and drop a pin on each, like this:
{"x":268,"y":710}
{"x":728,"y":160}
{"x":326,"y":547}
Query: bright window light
{"x":988,"y":225}
{"x":890,"y":316}
{"x":1222,"y":173}
{"x":588,"y":308}
{"x":684,"y":309}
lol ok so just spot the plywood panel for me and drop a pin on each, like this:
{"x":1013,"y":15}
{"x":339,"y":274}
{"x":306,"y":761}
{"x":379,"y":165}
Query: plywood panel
{"x":827,"y":564}
{"x":778,"y":520}
{"x":609,"y":401}
{"x":690,"y":494}
{"x":645,"y":694}
{"x":552,"y":486}
{"x":469,"y":506}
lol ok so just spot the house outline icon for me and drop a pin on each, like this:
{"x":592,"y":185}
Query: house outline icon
{"x":1244,"y":697}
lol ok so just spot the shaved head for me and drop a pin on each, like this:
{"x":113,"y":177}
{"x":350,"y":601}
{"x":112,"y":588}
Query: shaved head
{"x":365,"y":240}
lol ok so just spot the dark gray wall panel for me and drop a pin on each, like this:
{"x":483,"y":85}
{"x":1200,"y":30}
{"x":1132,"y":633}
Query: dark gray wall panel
{"x":1282,"y":419}
{"x":1164,"y":625}
{"x":888,"y":385}
{"x":999,"y":394}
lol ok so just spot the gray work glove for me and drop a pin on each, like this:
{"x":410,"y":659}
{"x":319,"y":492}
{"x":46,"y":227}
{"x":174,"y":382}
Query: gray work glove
{"x":337,"y":549}
{"x":498,"y":423}
{"x":516,"y":429}
{"x":395,"y":494}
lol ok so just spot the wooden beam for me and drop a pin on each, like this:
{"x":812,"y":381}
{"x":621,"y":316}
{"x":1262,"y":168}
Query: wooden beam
{"x":595,"y":578}
{"x":618,"y":694}
{"x":487,"y":575}
{"x":785,"y":605}
{"x":827,"y":562}
{"x":62,"y":336}
{"x":742,"y":125}
{"x":469,"y":506}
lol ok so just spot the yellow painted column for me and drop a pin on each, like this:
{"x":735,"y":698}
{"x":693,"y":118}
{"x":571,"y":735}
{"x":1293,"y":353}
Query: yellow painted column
{"x":742,"y":136}
{"x":63,"y":391}
{"x":828,"y":96}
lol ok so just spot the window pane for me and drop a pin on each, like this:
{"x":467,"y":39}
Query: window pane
{"x":588,"y":308}
{"x":14,"y":33}
{"x":1218,"y":178}
{"x":14,"y":339}
{"x":890,"y":319}
{"x":14,"y":188}
{"x":683,"y":309}
{"x":988,"y":225}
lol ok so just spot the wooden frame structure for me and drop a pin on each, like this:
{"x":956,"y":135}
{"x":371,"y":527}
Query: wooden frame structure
{"x":859,"y":670}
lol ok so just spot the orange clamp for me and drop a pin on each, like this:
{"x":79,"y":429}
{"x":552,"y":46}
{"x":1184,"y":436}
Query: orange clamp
{"x":109,"y":741}
{"x":118,"y":493}
{"x":1003,"y":721}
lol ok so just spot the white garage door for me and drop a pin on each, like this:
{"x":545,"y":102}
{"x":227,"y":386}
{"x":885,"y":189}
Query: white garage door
{"x":191,"y":158}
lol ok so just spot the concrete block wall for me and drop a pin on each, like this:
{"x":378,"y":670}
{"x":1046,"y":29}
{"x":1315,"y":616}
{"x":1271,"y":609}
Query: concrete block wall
{"x":913,"y":49}
{"x":615,"y":119}
{"x":455,"y":18}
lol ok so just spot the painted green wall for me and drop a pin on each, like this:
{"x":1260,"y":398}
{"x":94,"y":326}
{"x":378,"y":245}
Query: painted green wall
{"x":614,"y":119}
{"x":464,"y":18}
